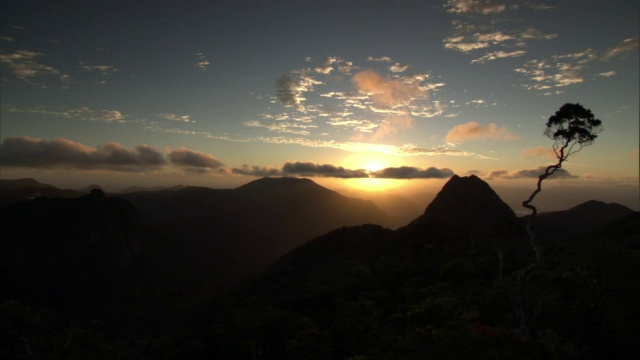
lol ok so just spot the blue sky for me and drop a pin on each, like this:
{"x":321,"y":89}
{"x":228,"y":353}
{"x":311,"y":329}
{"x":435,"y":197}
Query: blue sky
{"x":221,"y":92}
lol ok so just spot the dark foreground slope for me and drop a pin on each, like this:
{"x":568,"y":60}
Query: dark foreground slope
{"x":76,"y":283}
{"x":433,"y":290}
{"x":71,"y":277}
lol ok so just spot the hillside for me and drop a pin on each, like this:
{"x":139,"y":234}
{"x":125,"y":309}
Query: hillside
{"x":226,"y":235}
{"x":12,"y":191}
{"x":441,"y":287}
{"x":137,"y":277}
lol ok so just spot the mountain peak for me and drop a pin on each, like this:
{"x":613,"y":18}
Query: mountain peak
{"x":279,"y":184}
{"x":13,"y":184}
{"x":468,"y":202}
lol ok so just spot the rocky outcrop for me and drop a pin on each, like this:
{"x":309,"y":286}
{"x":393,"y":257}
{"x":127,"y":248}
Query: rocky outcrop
{"x":469,"y":204}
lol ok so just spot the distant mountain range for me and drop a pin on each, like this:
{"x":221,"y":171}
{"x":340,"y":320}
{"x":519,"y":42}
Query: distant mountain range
{"x":155,"y":272}
{"x":224,"y":235}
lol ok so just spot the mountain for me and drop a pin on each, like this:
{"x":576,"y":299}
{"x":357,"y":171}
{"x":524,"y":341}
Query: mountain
{"x":469,"y":203}
{"x":109,"y":277}
{"x":156,"y":188}
{"x":15,"y":190}
{"x":71,"y":254}
{"x":437,"y":288}
{"x":226,"y":235}
{"x":577,"y":221}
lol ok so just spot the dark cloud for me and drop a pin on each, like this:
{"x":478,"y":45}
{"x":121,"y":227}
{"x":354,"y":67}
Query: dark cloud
{"x":409,"y":172}
{"x":193,"y":159}
{"x":256,"y":171}
{"x":528,"y":173}
{"x":285,"y":91}
{"x":25,"y":151}
{"x":326,"y":170}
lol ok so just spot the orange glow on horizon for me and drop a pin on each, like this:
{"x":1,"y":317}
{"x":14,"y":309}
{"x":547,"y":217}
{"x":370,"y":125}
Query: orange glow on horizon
{"x":373,"y":184}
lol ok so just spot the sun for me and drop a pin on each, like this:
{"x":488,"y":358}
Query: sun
{"x":373,"y":166}
{"x":371,"y":163}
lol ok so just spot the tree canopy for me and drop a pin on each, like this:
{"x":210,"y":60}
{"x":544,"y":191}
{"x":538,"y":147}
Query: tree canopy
{"x":572,"y":126}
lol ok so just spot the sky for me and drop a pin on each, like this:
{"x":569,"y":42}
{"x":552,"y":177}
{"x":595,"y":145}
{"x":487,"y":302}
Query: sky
{"x":362,"y":94}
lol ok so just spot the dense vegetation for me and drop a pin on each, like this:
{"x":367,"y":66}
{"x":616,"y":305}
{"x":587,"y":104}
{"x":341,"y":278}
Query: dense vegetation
{"x":433,"y":289}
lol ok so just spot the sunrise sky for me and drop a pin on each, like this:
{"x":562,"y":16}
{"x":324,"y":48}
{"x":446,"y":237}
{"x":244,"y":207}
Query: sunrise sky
{"x":218,"y":93}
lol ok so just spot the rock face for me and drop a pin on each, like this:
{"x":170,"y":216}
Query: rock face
{"x":468,"y":203}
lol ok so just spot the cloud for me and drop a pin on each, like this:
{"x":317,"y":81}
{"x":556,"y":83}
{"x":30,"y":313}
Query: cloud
{"x":23,"y":65}
{"x":607,"y":74}
{"x":472,"y":33}
{"x":407,"y":172}
{"x":392,"y":124}
{"x":326,"y":170}
{"x":202,"y":63}
{"x":386,"y":92}
{"x":398,"y":98}
{"x":455,"y":43}
{"x":80,"y":113}
{"x":25,"y":151}
{"x":260,"y":171}
{"x":473,"y":130}
{"x":528,"y":173}
{"x":626,"y":45}
{"x":380,"y":59}
{"x":398,"y":67}
{"x":7,"y":39}
{"x":194,"y":161}
{"x":365,"y":126}
{"x":498,"y":55}
{"x":282,"y":127}
{"x":174,"y":117}
{"x":539,"y":151}
{"x":559,"y":71}
{"x":327,"y":67}
{"x":103,"y":69}
{"x":474,"y":6}
{"x":467,"y":39}
{"x":290,"y":89}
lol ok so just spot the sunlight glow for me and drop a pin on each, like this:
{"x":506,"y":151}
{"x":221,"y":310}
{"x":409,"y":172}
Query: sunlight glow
{"x":373,"y":184}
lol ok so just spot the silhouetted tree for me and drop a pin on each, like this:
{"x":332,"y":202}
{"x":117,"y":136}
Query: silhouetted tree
{"x":571,"y":128}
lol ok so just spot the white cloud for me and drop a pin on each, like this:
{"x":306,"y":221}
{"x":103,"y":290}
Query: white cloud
{"x":498,"y":55}
{"x":379,"y":59}
{"x":398,"y":67}
{"x":174,"y":117}
{"x":607,"y":74}
{"x":559,"y":71}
